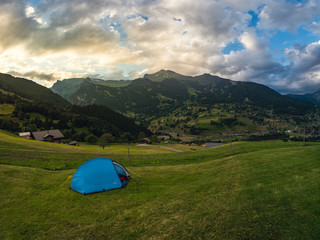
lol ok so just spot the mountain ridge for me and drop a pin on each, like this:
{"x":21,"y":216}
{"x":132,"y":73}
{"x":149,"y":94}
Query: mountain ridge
{"x":162,"y":74}
{"x":308,"y":97}
{"x":164,"y":91}
{"x":30,"y":90}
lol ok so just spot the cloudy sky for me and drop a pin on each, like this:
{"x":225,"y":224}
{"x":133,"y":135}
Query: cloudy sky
{"x":273,"y":42}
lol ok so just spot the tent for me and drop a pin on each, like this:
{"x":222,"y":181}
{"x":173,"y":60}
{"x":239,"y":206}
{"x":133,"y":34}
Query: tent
{"x":99,"y":174}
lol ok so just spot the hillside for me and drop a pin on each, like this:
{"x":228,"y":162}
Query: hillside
{"x":67,"y":87}
{"x":232,"y":121}
{"x":30,"y":90}
{"x":311,"y":97}
{"x":258,"y":190}
{"x":21,"y":111}
{"x":160,"y":93}
{"x":81,"y":123}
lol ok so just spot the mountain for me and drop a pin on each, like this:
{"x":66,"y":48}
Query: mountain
{"x":28,"y":106}
{"x":163,"y":74}
{"x":30,"y":90}
{"x":313,"y":97}
{"x":160,"y":93}
{"x":67,"y":87}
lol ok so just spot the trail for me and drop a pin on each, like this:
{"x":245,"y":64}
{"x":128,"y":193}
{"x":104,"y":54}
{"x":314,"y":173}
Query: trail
{"x":147,"y":145}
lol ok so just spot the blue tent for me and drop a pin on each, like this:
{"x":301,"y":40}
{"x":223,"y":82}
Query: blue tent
{"x":99,"y":174}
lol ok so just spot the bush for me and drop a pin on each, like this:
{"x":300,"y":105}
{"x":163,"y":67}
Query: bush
{"x":92,"y":139}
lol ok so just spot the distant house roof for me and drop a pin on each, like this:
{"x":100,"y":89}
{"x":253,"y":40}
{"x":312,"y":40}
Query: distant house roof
{"x":146,"y":140}
{"x":74,"y":143}
{"x":48,"y":135}
{"x":24,"y":134}
{"x":41,"y":136}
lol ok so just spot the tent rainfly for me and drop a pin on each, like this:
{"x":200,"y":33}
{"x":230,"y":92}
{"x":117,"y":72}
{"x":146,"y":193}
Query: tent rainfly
{"x":98,"y":175}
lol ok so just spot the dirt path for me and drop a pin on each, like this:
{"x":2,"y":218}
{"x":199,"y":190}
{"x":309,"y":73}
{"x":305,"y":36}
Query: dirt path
{"x":147,"y":145}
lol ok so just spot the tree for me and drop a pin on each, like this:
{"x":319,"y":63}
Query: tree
{"x":125,"y":137}
{"x":91,"y":139}
{"x":105,"y":139}
{"x":80,"y":137}
{"x":141,"y":135}
{"x":154,"y":138}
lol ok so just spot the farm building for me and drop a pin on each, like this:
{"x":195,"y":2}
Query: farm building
{"x":48,"y":136}
{"x":73,"y":143}
{"x":26,"y":135}
{"x":145,"y":140}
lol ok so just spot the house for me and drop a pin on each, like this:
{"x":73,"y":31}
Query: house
{"x":73,"y":143}
{"x":145,"y":140}
{"x":26,"y":135}
{"x":48,"y":136}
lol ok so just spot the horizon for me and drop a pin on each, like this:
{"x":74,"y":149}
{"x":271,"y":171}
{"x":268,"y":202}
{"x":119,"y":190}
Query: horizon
{"x":274,"y":43}
{"x":100,"y":79}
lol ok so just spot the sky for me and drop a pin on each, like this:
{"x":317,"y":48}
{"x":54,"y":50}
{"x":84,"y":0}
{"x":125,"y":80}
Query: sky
{"x":272,"y":42}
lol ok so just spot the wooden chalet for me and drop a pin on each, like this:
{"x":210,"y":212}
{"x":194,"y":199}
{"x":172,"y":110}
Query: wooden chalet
{"x":145,"y":140}
{"x":73,"y":143}
{"x":48,"y":136}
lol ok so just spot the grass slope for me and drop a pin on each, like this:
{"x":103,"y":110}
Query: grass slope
{"x":268,"y":190}
{"x":6,"y":109}
{"x":30,"y":90}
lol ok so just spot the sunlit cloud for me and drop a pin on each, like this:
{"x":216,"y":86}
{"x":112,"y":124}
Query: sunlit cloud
{"x":125,"y":39}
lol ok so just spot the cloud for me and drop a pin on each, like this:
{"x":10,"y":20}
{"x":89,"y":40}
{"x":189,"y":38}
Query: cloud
{"x":304,"y":58}
{"x":314,"y":27}
{"x":304,"y":71}
{"x":253,"y":63}
{"x":112,"y":73}
{"x":152,"y":38}
{"x":67,"y":27}
{"x":15,"y":26}
{"x":244,"y":5}
{"x":286,"y":15}
{"x":118,"y":39}
{"x":35,"y":75}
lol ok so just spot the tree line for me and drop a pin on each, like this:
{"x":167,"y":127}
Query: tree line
{"x":84,"y":124}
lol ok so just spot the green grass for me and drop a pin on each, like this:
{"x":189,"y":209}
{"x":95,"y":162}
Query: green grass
{"x":263,"y":190}
{"x":6,"y":109}
{"x":35,"y":115}
{"x":17,"y":151}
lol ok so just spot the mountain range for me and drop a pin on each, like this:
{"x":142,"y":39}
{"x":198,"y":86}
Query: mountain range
{"x":309,"y":97}
{"x":164,"y":103}
{"x":162,"y":92}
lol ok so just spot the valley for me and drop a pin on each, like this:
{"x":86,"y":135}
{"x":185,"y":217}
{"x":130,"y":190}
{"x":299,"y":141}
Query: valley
{"x":256,"y":186}
{"x":166,"y":106}
{"x":201,"y":108}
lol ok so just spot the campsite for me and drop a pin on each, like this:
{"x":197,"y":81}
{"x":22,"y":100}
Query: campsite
{"x":256,"y":190}
{"x":152,"y":120}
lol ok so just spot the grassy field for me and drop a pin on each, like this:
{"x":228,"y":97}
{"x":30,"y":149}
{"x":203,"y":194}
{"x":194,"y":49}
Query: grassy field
{"x":262,"y":190}
{"x":6,"y":109}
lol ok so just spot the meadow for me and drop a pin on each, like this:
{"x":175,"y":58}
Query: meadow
{"x":6,"y":109}
{"x":253,"y":190}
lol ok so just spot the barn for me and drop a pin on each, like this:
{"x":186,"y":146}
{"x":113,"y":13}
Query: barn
{"x":48,"y":136}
